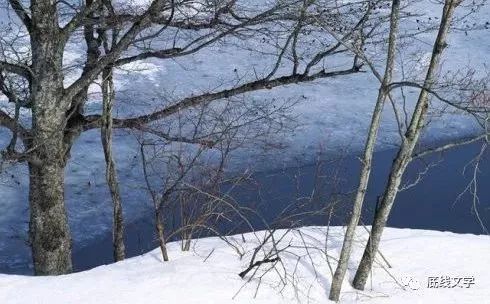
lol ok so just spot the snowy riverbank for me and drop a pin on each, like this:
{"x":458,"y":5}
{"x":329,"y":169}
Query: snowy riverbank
{"x":209,"y":273}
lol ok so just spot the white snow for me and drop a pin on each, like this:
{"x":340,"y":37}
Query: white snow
{"x":208,"y":273}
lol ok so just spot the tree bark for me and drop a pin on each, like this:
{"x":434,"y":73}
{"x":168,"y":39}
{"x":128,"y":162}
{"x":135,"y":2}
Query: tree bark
{"x":49,"y":231}
{"x":405,"y":151}
{"x":345,"y":253}
{"x":48,"y":227}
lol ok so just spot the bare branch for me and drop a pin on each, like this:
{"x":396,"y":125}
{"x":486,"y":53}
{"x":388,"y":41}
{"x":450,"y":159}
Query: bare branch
{"x":399,"y":84}
{"x":21,"y":13}
{"x":93,"y":121}
{"x":79,"y":17}
{"x":18,"y":69}
{"x":10,"y":123}
{"x":450,"y":145}
{"x":140,"y":24}
{"x":192,"y":47}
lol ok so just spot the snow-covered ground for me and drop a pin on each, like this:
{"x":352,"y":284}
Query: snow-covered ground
{"x":208,"y":274}
{"x":333,"y":113}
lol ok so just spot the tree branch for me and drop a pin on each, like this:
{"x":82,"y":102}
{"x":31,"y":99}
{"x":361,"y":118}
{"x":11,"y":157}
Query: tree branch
{"x":79,"y":17}
{"x":142,"y":22}
{"x":21,"y":13}
{"x":450,"y":145}
{"x":394,"y":85}
{"x":190,"y":48}
{"x":257,"y":264}
{"x":161,"y":54}
{"x":10,"y":123}
{"x":94,"y":121}
{"x":182,"y":139}
{"x":18,"y":69}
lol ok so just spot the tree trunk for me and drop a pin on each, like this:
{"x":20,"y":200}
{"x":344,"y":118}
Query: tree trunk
{"x":48,"y":227}
{"x":345,"y":253}
{"x":161,"y":235}
{"x":111,"y":175}
{"x":49,"y":231}
{"x":405,"y":151}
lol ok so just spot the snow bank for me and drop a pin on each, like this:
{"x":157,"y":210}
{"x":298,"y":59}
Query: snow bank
{"x":208,"y":274}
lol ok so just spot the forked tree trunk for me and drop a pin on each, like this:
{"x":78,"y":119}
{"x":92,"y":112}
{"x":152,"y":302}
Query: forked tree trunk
{"x":111,"y":175}
{"x":339,"y":275}
{"x":405,"y":151}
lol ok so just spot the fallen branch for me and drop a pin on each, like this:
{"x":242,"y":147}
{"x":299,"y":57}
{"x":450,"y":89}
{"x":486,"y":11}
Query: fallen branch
{"x":257,"y":264}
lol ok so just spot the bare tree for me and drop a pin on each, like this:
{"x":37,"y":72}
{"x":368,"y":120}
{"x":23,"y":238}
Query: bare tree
{"x":56,"y":107}
{"x":111,"y":175}
{"x":368,"y":156}
{"x":466,"y":87}
{"x":186,"y":177}
{"x":108,"y":97}
{"x":406,"y":149}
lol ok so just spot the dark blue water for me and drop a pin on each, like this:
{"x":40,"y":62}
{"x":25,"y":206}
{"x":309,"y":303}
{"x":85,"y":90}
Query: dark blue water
{"x":321,"y":194}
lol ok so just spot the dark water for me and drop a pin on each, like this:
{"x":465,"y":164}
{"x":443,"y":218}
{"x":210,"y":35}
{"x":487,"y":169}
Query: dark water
{"x":321,"y":194}
{"x":308,"y":193}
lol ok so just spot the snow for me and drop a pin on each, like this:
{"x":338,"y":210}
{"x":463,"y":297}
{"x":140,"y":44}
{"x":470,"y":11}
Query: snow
{"x":208,"y":273}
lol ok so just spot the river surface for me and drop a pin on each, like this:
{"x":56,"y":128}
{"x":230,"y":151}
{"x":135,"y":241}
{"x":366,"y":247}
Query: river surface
{"x":321,"y":194}
{"x":436,"y":202}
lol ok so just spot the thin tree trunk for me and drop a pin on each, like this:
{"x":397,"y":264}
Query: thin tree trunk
{"x":161,"y":234}
{"x":339,"y":275}
{"x":187,"y":242}
{"x":111,"y":175}
{"x":157,"y":204}
{"x":405,"y":151}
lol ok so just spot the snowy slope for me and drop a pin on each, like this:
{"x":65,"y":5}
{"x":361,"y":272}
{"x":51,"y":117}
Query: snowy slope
{"x":208,"y":274}
{"x":333,"y":112}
